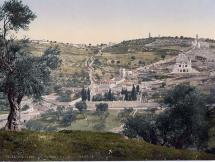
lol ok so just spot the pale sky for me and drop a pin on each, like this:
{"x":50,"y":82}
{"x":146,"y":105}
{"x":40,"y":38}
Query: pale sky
{"x":102,"y":21}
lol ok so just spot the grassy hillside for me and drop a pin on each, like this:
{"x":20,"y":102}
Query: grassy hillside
{"x":85,"y":146}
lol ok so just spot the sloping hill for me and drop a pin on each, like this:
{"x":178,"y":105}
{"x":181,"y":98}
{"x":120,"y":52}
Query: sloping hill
{"x":85,"y":146}
{"x":157,"y":44}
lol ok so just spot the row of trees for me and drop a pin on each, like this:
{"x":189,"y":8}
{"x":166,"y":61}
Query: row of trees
{"x":85,"y":94}
{"x":108,"y":96}
{"x":131,"y":96}
{"x":183,"y":124}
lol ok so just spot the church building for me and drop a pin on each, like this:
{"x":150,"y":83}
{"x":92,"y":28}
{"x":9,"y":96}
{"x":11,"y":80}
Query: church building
{"x":183,"y":65}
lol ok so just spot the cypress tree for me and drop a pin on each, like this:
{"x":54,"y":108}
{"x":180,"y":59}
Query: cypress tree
{"x":88,"y":94}
{"x":134,"y":94}
{"x":126,"y":95}
{"x":110,"y":95}
{"x":83,"y":94}
{"x":138,"y":88}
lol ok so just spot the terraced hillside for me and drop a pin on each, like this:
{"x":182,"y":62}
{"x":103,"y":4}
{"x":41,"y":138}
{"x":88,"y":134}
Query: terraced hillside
{"x":73,"y":69}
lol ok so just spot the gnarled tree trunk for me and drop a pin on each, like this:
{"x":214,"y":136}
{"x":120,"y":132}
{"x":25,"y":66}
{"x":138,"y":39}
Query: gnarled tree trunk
{"x":13,"y":123}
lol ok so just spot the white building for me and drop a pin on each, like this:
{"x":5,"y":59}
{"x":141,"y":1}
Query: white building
{"x":183,"y":65}
{"x":125,"y":73}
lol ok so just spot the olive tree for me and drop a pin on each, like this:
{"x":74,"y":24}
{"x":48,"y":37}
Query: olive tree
{"x":22,"y":73}
{"x":183,"y":124}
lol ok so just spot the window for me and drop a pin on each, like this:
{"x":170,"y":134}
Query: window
{"x":184,"y":70}
{"x":179,"y":65}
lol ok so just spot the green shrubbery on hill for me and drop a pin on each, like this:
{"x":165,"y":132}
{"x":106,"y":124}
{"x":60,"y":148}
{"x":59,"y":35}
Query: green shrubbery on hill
{"x":76,"y":145}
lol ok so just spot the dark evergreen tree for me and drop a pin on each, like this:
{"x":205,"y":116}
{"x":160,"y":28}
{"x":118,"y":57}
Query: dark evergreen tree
{"x":123,"y":91}
{"x":83,"y":94}
{"x":134,"y":94}
{"x":126,"y":95}
{"x":110,"y":95}
{"x":138,"y":88}
{"x":88,"y":95}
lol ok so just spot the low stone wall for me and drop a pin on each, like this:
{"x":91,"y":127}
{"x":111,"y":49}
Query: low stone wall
{"x":124,"y":104}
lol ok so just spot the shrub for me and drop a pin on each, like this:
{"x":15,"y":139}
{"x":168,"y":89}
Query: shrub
{"x":102,"y":107}
{"x":65,"y":97}
{"x":25,"y":108}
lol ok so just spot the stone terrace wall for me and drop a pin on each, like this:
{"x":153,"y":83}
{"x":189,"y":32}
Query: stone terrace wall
{"x":124,"y":104}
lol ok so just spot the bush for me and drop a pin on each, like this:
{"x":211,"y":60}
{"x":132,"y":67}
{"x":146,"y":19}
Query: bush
{"x":65,"y":97}
{"x":68,"y":118}
{"x":133,"y":57}
{"x":140,"y":126}
{"x":81,"y":106}
{"x":102,"y":107}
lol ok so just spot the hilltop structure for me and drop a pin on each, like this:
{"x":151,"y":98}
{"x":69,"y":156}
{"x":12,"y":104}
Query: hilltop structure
{"x":200,"y":43}
{"x":196,"y":42}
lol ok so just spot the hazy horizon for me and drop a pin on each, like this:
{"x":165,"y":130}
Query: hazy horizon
{"x":102,"y":21}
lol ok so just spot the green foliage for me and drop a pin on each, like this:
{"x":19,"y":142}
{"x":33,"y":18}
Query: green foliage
{"x":133,"y":57}
{"x":98,"y":97}
{"x":84,"y":94}
{"x":163,"y":56}
{"x":108,"y":96}
{"x":69,"y":117}
{"x":211,"y":96}
{"x":184,"y":124}
{"x":59,"y":112}
{"x":186,"y":121}
{"x":138,"y":88}
{"x":102,"y":107}
{"x":140,"y":126}
{"x":16,"y":15}
{"x":81,"y":106}
{"x":32,"y":74}
{"x":134,"y":93}
{"x":88,"y":94}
